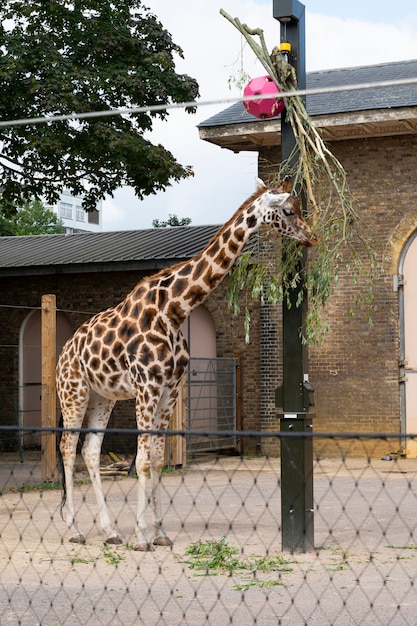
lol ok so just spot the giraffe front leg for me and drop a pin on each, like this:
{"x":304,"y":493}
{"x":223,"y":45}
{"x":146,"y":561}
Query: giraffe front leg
{"x":157,"y":462}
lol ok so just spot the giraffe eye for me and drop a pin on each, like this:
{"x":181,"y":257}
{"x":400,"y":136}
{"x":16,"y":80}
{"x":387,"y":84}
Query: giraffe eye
{"x":288,"y":212}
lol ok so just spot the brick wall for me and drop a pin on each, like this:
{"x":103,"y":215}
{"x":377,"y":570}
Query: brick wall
{"x":79,"y":295}
{"x":355,"y":372}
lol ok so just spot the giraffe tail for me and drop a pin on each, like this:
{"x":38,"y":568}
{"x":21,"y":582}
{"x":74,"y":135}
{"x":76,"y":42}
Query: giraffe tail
{"x":60,"y":466}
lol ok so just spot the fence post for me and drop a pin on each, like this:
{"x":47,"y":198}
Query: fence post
{"x":48,"y":394}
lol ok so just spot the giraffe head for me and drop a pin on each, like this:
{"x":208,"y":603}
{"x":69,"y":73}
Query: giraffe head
{"x":282,"y":211}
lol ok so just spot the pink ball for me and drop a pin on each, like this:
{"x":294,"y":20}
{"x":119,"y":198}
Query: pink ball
{"x":267,"y":107}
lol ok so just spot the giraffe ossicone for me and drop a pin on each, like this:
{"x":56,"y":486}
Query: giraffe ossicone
{"x":136,"y":350}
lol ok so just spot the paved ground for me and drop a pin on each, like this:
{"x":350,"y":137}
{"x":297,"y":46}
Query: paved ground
{"x":362,"y":569}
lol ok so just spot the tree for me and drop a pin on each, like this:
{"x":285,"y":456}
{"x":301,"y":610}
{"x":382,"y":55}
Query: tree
{"x":66,"y":57}
{"x":173,"y":220}
{"x":31,"y":219}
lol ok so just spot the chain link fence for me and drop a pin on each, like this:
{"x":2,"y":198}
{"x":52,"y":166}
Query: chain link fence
{"x":226,"y":566}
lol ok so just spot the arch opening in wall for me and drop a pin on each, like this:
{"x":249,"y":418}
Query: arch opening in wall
{"x":30,"y":371}
{"x":408,"y":345}
{"x":210,"y":387}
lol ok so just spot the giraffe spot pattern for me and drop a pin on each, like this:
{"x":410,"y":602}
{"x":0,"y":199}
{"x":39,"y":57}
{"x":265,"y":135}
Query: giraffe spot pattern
{"x":178,"y":287}
{"x":146,"y":356}
{"x":166,"y":282}
{"x":233,"y":247}
{"x":200,"y":268}
{"x":163,"y":297}
{"x":212,"y":278}
{"x":226,"y":235}
{"x":251,"y":221}
{"x":240,"y":234}
{"x":133,"y":345}
{"x":162,"y":352}
{"x":214,"y":248}
{"x":222,"y":259}
{"x":160,"y":326}
{"x":109,"y":337}
{"x":114,"y":321}
{"x":126,"y":330}
{"x":195,"y":295}
{"x":95,"y":347}
{"x":176,"y":313}
{"x":147,"y":318}
{"x":186,"y":270}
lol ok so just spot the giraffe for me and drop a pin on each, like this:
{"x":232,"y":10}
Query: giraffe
{"x":136,"y":350}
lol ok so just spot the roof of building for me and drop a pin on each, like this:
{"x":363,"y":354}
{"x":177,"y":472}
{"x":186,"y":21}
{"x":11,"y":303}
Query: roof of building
{"x":386,"y":97}
{"x":149,"y":249}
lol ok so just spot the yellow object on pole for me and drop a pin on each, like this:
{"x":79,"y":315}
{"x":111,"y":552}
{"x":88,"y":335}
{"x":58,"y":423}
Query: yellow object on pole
{"x":48,"y":405}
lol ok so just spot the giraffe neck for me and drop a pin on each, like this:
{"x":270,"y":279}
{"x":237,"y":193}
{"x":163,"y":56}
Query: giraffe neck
{"x":177,"y":291}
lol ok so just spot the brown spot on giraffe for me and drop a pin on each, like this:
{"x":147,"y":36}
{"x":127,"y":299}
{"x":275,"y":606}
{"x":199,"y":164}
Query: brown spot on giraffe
{"x":136,"y":350}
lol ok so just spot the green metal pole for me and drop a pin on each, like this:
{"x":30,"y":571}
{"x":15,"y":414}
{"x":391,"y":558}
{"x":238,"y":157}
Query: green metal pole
{"x":297,"y":507}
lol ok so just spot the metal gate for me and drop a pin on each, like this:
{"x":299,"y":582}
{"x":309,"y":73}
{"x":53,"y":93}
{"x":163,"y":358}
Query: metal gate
{"x":211,"y":403}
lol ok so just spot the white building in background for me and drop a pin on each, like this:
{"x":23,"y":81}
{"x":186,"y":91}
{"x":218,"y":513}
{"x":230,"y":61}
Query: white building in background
{"x":75,"y":219}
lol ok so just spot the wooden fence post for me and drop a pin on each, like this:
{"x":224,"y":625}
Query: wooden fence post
{"x":48,"y":394}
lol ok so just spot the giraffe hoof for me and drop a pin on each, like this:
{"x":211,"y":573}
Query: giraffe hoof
{"x":77,"y":538}
{"x":114,"y":541}
{"x":144,"y":547}
{"x":162,"y":541}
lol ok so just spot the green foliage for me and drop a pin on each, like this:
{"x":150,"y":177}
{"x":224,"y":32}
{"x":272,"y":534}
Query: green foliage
{"x":71,"y":57}
{"x":32,"y":219}
{"x":342,"y":252}
{"x":213,"y":555}
{"x":112,"y":557}
{"x":172,"y":221}
{"x":216,"y":557}
{"x":27,"y":488}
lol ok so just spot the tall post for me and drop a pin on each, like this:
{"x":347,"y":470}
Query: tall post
{"x":297,"y":507}
{"x":48,"y":404}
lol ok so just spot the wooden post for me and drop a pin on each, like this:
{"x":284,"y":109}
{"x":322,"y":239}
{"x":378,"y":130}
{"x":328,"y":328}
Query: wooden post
{"x":48,"y":393}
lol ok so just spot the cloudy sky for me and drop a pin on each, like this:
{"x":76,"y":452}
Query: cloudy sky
{"x":338,"y":34}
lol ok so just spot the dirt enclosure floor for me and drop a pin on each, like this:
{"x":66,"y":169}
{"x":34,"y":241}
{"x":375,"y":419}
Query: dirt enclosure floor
{"x":362,"y":570}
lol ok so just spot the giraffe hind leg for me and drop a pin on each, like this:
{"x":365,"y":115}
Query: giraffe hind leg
{"x":98,"y":414}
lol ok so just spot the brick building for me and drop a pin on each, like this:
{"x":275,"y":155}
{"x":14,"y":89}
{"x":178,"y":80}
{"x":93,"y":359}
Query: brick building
{"x":363,"y":377}
{"x":89,"y":272}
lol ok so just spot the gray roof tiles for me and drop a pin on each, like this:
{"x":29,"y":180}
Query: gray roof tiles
{"x":343,"y":101}
{"x":151,"y":248}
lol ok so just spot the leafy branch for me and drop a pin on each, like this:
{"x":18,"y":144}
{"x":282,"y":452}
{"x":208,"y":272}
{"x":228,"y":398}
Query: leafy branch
{"x":345,"y":243}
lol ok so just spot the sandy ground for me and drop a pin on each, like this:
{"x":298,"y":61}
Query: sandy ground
{"x":362,"y":569}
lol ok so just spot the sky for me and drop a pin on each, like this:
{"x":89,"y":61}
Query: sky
{"x":338,"y":34}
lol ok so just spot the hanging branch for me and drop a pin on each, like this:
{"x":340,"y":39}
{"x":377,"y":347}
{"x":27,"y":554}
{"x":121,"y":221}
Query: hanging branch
{"x":330,"y":207}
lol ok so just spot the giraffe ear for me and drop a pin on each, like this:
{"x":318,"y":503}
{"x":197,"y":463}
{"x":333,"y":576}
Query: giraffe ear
{"x":260,"y":183}
{"x":286,"y":186}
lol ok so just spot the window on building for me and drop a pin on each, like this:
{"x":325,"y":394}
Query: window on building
{"x":94,"y":217}
{"x":65,"y":210}
{"x":79,"y":214}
